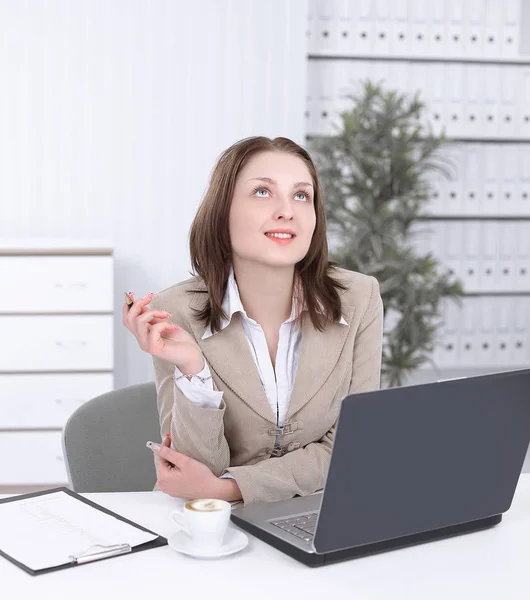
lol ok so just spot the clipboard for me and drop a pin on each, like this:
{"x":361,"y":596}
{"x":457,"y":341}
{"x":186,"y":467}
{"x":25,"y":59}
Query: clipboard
{"x":91,"y":554}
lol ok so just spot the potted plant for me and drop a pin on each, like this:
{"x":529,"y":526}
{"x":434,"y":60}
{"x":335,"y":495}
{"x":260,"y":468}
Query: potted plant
{"x":375,"y":172}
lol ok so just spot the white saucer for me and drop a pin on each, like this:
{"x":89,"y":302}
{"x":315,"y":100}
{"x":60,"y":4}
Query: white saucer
{"x":234,"y":541}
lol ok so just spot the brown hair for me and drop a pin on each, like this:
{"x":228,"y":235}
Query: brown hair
{"x":210,"y":247}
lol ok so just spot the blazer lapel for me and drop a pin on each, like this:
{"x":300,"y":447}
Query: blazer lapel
{"x":320,"y":352}
{"x":228,"y":355}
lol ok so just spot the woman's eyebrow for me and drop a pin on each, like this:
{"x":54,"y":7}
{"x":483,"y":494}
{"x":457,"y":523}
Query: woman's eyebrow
{"x":272,"y":182}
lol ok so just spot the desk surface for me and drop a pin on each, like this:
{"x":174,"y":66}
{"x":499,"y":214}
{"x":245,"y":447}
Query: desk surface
{"x":490,"y":564}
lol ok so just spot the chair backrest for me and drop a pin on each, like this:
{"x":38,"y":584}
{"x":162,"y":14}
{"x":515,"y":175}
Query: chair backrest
{"x":104,"y":441}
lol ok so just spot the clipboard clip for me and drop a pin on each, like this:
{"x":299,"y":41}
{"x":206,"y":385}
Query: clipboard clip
{"x":98,"y":552}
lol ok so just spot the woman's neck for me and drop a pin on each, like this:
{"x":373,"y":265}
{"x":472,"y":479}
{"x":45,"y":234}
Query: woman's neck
{"x":266,"y":292}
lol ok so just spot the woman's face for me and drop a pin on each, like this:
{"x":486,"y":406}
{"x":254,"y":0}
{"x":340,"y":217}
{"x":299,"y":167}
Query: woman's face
{"x":272,"y":216}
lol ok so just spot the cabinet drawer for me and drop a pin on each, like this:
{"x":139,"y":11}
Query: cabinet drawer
{"x":31,"y":457}
{"x":56,"y":343}
{"x":56,"y":284}
{"x":46,"y":401}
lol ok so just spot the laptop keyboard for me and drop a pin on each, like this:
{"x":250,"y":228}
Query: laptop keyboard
{"x":303,"y":527}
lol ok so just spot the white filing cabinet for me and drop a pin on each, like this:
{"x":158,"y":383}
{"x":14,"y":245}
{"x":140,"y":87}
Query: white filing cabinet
{"x":56,"y":352}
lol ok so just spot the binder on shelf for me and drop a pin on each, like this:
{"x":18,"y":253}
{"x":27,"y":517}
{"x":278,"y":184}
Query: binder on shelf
{"x":63,"y":529}
{"x":508,"y":93}
{"x":523,"y":191}
{"x":520,"y":341}
{"x":508,"y":203}
{"x":454,"y":77}
{"x":363,"y":16}
{"x":436,"y":29}
{"x":325,"y":33}
{"x":492,"y":29}
{"x":473,"y":107}
{"x":381,"y":44}
{"x":473,"y":170}
{"x":467,"y":340}
{"x":399,"y":28}
{"x":418,"y":28}
{"x":345,"y":28}
{"x":522,"y":257}
{"x":523,"y":118}
{"x":489,"y":271}
{"x":455,"y":28}
{"x":503,"y":343}
{"x":507,"y":248}
{"x":473,"y":28}
{"x":471,"y":260}
{"x":491,"y":110}
{"x":490,"y":199}
{"x":453,"y":250}
{"x":484,"y":343}
{"x":509,"y":45}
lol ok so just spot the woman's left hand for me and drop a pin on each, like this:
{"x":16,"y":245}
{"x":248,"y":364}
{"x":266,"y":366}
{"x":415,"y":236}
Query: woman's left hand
{"x":182,"y":476}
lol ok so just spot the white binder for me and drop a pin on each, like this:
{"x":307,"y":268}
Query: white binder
{"x":312,"y":27}
{"x":522,"y":256}
{"x":507,"y":261}
{"x":468,"y":333}
{"x":454,"y":187}
{"x":455,"y":28}
{"x":485,"y":335}
{"x":503,"y":343}
{"x":364,"y":17}
{"x":489,"y":271}
{"x":523,"y":118}
{"x":382,"y":29}
{"x":400,"y":33}
{"x":325,"y":39}
{"x":491,"y":85}
{"x":453,"y":249}
{"x":473,"y":28}
{"x":418,"y":42}
{"x":473,"y":191}
{"x":436,"y":29}
{"x":509,"y":159}
{"x":523,"y":193}
{"x":492,"y":29}
{"x":447,"y":351}
{"x":508,"y":94}
{"x":490,"y":203}
{"x":521,"y":337}
{"x":345,"y":28}
{"x":473,"y":102}
{"x":510,"y":28}
{"x":454,"y":85}
{"x":471,"y":256}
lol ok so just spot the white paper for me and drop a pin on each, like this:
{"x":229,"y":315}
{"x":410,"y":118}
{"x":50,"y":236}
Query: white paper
{"x":44,"y":531}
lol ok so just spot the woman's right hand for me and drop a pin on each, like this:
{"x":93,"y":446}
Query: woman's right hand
{"x":162,"y":339}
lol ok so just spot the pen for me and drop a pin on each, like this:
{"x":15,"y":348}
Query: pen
{"x":128,"y":300}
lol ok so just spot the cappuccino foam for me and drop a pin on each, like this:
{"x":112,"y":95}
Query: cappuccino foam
{"x":206,"y":505}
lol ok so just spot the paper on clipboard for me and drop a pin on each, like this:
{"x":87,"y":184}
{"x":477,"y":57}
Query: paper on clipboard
{"x":46,"y":531}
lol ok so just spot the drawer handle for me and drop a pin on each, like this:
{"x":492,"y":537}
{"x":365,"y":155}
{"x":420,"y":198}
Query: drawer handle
{"x":74,"y":285}
{"x":70,"y":344}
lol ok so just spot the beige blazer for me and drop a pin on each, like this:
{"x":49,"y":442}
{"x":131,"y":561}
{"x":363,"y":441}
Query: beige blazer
{"x":238,"y":437}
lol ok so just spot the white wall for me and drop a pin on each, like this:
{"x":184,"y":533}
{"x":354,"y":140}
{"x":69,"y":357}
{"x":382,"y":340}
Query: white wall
{"x":112,"y":113}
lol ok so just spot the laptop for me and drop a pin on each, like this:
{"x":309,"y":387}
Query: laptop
{"x":408,"y":465}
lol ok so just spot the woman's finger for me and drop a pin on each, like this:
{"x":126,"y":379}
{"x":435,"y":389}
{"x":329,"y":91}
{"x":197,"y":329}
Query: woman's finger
{"x":136,"y":310}
{"x":149,"y":314}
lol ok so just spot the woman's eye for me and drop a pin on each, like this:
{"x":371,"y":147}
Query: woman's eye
{"x":261,"y":192}
{"x":304,"y":197}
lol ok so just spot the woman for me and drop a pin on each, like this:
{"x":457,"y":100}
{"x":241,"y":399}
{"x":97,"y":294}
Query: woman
{"x":254,"y":355}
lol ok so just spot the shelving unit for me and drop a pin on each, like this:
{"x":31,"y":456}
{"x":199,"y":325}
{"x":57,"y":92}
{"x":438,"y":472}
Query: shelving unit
{"x":463,"y":59}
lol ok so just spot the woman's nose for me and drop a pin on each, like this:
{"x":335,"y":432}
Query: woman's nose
{"x":284,"y":209}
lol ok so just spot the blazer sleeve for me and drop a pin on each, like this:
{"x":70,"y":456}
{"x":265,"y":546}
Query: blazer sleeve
{"x":196,"y":431}
{"x":304,"y":471}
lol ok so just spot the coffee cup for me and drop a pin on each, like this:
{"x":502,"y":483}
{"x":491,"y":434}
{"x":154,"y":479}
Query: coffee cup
{"x":205,"y":520}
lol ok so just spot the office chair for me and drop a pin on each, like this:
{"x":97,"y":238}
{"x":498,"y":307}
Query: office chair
{"x":104,"y":441}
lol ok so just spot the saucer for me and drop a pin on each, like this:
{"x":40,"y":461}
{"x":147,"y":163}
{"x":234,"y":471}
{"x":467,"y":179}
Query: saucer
{"x":234,"y":541}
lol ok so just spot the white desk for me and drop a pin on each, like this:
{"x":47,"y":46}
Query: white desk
{"x":490,"y":564}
